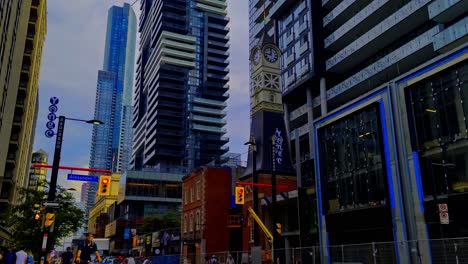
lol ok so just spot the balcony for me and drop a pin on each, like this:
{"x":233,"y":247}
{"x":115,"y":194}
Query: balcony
{"x":365,"y":19}
{"x":406,"y":19}
{"x":210,"y":120}
{"x":453,"y":36}
{"x":298,"y":113}
{"x":303,"y":70}
{"x":258,"y":15}
{"x":407,"y":56}
{"x":303,"y":130}
{"x":204,"y":110}
{"x":301,"y":28}
{"x":290,"y":80}
{"x":328,"y":4}
{"x":303,"y":48}
{"x":211,"y":129}
{"x":342,"y":12}
{"x":443,"y":11}
{"x":290,"y":59}
{"x":214,"y":103}
{"x":288,"y":39}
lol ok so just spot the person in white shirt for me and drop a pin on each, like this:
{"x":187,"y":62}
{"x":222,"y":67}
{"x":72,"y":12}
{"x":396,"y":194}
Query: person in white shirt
{"x":21,"y":257}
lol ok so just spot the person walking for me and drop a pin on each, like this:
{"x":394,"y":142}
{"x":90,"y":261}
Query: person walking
{"x":30,"y":259}
{"x":67,"y":256}
{"x":10,"y":256}
{"x":21,"y":257}
{"x":230,"y":260}
{"x":83,"y":255}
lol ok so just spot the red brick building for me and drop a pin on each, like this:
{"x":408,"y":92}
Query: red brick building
{"x":206,"y":194}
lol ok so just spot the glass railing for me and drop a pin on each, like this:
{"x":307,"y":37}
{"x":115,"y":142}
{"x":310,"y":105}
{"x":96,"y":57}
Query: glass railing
{"x":451,"y":34}
{"x":358,"y":18}
{"x":399,"y":54}
{"x":391,"y":21}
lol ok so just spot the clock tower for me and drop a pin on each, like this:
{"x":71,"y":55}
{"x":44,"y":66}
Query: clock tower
{"x":265,"y":62}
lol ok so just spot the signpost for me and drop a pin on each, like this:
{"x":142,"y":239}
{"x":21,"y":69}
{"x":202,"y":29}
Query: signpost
{"x":443,"y":214}
{"x":80,"y":177}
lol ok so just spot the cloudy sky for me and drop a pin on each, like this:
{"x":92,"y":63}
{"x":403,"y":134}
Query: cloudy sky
{"x":73,"y":54}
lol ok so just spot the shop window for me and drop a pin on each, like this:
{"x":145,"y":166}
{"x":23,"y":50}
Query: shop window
{"x":352,"y":162}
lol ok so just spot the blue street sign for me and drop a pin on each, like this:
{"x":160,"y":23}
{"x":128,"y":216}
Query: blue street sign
{"x":50,"y":125}
{"x":51,"y":116}
{"x":49,"y":133}
{"x":79,"y":177}
{"x":53,"y":108}
{"x":54,"y":100}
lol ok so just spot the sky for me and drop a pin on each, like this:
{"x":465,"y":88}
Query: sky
{"x":72,"y":55}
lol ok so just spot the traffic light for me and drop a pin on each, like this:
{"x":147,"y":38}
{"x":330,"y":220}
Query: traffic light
{"x":104,"y":185}
{"x":37,"y":216}
{"x":278,"y":228}
{"x":240,"y":195}
{"x":49,"y":219}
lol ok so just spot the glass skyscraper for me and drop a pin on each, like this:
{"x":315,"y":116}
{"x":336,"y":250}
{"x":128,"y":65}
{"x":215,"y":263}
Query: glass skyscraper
{"x":111,"y":142}
{"x":181,"y":85}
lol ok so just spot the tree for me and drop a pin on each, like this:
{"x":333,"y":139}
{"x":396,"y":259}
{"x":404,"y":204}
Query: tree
{"x":26,"y":220}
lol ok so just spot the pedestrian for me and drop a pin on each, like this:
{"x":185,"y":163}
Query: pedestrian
{"x":10,"y":256}
{"x":30,"y":256}
{"x":67,"y":256}
{"x":213,"y":260}
{"x":83,"y":255}
{"x":230,"y":260}
{"x":21,"y":257}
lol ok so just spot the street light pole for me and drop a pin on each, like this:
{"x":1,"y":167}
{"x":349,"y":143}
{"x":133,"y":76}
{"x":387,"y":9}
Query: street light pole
{"x":57,"y":155}
{"x":273,"y":196}
{"x":253,"y":147}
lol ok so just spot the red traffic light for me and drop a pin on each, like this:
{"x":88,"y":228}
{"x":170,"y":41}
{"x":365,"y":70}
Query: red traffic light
{"x":240,"y":191}
{"x":105,"y":181}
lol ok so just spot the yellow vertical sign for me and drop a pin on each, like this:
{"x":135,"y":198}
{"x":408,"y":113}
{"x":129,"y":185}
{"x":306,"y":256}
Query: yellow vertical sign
{"x":240,"y":199}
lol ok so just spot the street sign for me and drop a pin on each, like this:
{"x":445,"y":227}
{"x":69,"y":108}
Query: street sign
{"x":53,"y":108}
{"x":79,"y":177}
{"x":443,"y":207}
{"x":49,"y":133}
{"x":50,"y":125}
{"x":54,"y":100}
{"x":444,"y":218}
{"x":51,"y":116}
{"x":51,"y":205}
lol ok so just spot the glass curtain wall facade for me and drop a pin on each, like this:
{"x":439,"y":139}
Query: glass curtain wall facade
{"x":111,"y":141}
{"x":181,"y":85}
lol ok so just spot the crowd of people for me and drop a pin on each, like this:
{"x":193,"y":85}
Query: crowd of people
{"x":82,"y":256}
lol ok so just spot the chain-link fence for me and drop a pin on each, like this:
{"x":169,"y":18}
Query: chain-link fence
{"x":443,"y":251}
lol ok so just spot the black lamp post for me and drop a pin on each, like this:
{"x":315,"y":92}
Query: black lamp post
{"x":253,"y":146}
{"x":55,"y":166}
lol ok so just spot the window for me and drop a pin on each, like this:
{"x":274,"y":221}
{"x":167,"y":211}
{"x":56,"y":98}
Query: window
{"x":198,"y":190}
{"x":197,"y":220}
{"x":304,"y":39}
{"x":352,"y":161}
{"x":185,"y":223}
{"x":191,"y":222}
{"x":191,"y":194}
{"x":186,"y":194}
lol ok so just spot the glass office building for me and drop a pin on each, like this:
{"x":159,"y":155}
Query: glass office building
{"x":111,"y":142}
{"x":181,"y":85}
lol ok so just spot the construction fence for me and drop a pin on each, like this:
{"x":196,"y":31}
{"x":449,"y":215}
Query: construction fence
{"x":444,"y":251}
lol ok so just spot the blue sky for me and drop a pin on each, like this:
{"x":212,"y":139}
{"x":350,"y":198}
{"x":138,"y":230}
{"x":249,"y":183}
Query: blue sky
{"x":73,"y":53}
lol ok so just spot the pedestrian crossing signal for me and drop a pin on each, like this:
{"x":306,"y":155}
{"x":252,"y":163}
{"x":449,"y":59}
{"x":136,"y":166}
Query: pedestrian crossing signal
{"x":49,"y":219}
{"x":37,"y":216}
{"x":104,"y":185}
{"x":240,"y":195}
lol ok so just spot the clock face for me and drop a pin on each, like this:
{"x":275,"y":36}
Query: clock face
{"x":271,"y":55}
{"x":256,"y":56}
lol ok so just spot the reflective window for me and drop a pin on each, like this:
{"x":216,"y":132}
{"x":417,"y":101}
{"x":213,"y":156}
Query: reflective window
{"x":437,"y":113}
{"x":352,"y":162}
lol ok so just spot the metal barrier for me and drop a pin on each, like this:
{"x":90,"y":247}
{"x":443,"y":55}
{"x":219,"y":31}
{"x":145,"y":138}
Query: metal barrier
{"x":443,"y":251}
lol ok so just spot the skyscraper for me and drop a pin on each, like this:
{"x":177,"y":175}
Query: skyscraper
{"x":181,"y":84}
{"x":23,"y":29}
{"x":375,"y":105}
{"x":111,"y":142}
{"x":37,"y":175}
